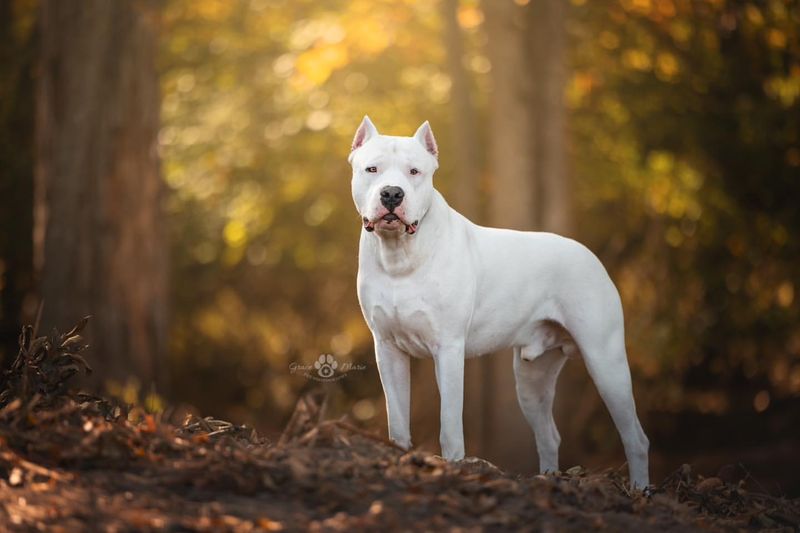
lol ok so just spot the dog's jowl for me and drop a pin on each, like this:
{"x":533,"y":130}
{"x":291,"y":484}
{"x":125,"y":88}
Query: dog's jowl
{"x":433,"y":284}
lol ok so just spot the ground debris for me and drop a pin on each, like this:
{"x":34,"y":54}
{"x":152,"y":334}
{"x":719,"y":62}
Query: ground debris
{"x":71,"y":461}
{"x":44,"y":365}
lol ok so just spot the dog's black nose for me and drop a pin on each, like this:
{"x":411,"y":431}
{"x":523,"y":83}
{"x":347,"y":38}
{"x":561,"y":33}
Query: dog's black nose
{"x":391,"y":197}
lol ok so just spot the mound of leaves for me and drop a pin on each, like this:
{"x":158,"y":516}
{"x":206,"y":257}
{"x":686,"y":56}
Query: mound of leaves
{"x":71,"y":461}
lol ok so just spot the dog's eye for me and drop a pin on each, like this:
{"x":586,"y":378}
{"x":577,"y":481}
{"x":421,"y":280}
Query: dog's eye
{"x":414,"y":171}
{"x":372,"y":170}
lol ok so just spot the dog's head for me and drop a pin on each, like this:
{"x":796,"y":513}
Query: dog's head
{"x":393,"y":178}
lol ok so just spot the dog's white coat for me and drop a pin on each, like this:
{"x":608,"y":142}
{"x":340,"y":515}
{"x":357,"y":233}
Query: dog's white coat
{"x":455,"y":289}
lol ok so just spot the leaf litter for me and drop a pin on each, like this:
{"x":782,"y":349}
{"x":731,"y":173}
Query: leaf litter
{"x":70,"y":461}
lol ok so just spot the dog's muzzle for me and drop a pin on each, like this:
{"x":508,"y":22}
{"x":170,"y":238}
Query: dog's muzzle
{"x":411,"y":228}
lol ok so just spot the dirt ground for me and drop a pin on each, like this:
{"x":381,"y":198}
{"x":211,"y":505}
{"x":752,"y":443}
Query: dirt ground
{"x":73,"y":462}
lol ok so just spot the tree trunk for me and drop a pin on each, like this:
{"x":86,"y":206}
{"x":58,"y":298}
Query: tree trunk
{"x":511,"y":158}
{"x":100,"y":235}
{"x":507,"y":440}
{"x":548,"y":47}
{"x":548,"y":42}
{"x":467,"y":147}
{"x":17,"y":58}
{"x":466,"y":197}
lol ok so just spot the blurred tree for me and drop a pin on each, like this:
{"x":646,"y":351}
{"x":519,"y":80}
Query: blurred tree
{"x":466,"y":197}
{"x":17,"y":58}
{"x":512,"y":205}
{"x":547,"y":42}
{"x":100,"y":237}
{"x":527,"y":163}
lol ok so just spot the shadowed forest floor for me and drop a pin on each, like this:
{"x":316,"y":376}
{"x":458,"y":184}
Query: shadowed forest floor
{"x":70,"y":461}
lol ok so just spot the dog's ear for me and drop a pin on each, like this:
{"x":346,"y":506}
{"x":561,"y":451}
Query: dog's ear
{"x":365,"y":132}
{"x":425,"y":137}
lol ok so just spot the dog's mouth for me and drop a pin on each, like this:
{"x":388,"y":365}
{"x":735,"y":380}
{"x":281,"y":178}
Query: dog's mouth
{"x":390,"y":221}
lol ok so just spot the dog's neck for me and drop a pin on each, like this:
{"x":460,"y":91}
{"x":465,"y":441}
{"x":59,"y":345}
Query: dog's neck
{"x":402,"y":254}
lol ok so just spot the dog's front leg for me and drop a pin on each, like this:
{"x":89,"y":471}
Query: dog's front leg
{"x":394,"y":368}
{"x":449,"y":364}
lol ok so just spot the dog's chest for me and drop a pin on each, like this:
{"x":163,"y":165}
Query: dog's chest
{"x":403,"y":315}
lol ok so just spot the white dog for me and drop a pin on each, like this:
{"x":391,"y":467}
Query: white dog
{"x":433,"y":284}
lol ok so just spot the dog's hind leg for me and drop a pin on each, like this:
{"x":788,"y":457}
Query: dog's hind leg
{"x":536,"y":388}
{"x":607,"y":363}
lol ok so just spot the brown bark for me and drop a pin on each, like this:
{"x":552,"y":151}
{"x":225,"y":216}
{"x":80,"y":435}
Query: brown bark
{"x":467,"y":147}
{"x":466,"y":195}
{"x":511,"y":157}
{"x":17,"y":47}
{"x":548,"y":43}
{"x":548,"y":47}
{"x":99,"y":236}
{"x":507,"y":441}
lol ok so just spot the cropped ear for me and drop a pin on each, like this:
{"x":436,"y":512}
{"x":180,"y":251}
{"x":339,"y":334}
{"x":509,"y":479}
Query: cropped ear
{"x":365,"y":132}
{"x":425,"y":137}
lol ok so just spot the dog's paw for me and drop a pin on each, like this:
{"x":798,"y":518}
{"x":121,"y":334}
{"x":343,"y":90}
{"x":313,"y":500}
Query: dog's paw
{"x":326,"y":365}
{"x":402,"y":443}
{"x":649,"y":491}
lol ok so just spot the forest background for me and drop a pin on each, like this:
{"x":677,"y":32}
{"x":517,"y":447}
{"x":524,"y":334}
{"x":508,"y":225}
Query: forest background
{"x":177,"y":169}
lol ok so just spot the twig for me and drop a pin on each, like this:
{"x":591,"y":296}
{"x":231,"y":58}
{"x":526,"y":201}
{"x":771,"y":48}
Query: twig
{"x":38,"y":318}
{"x":15,"y":459}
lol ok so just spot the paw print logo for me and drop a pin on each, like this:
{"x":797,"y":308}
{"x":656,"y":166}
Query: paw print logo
{"x":325,"y":365}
